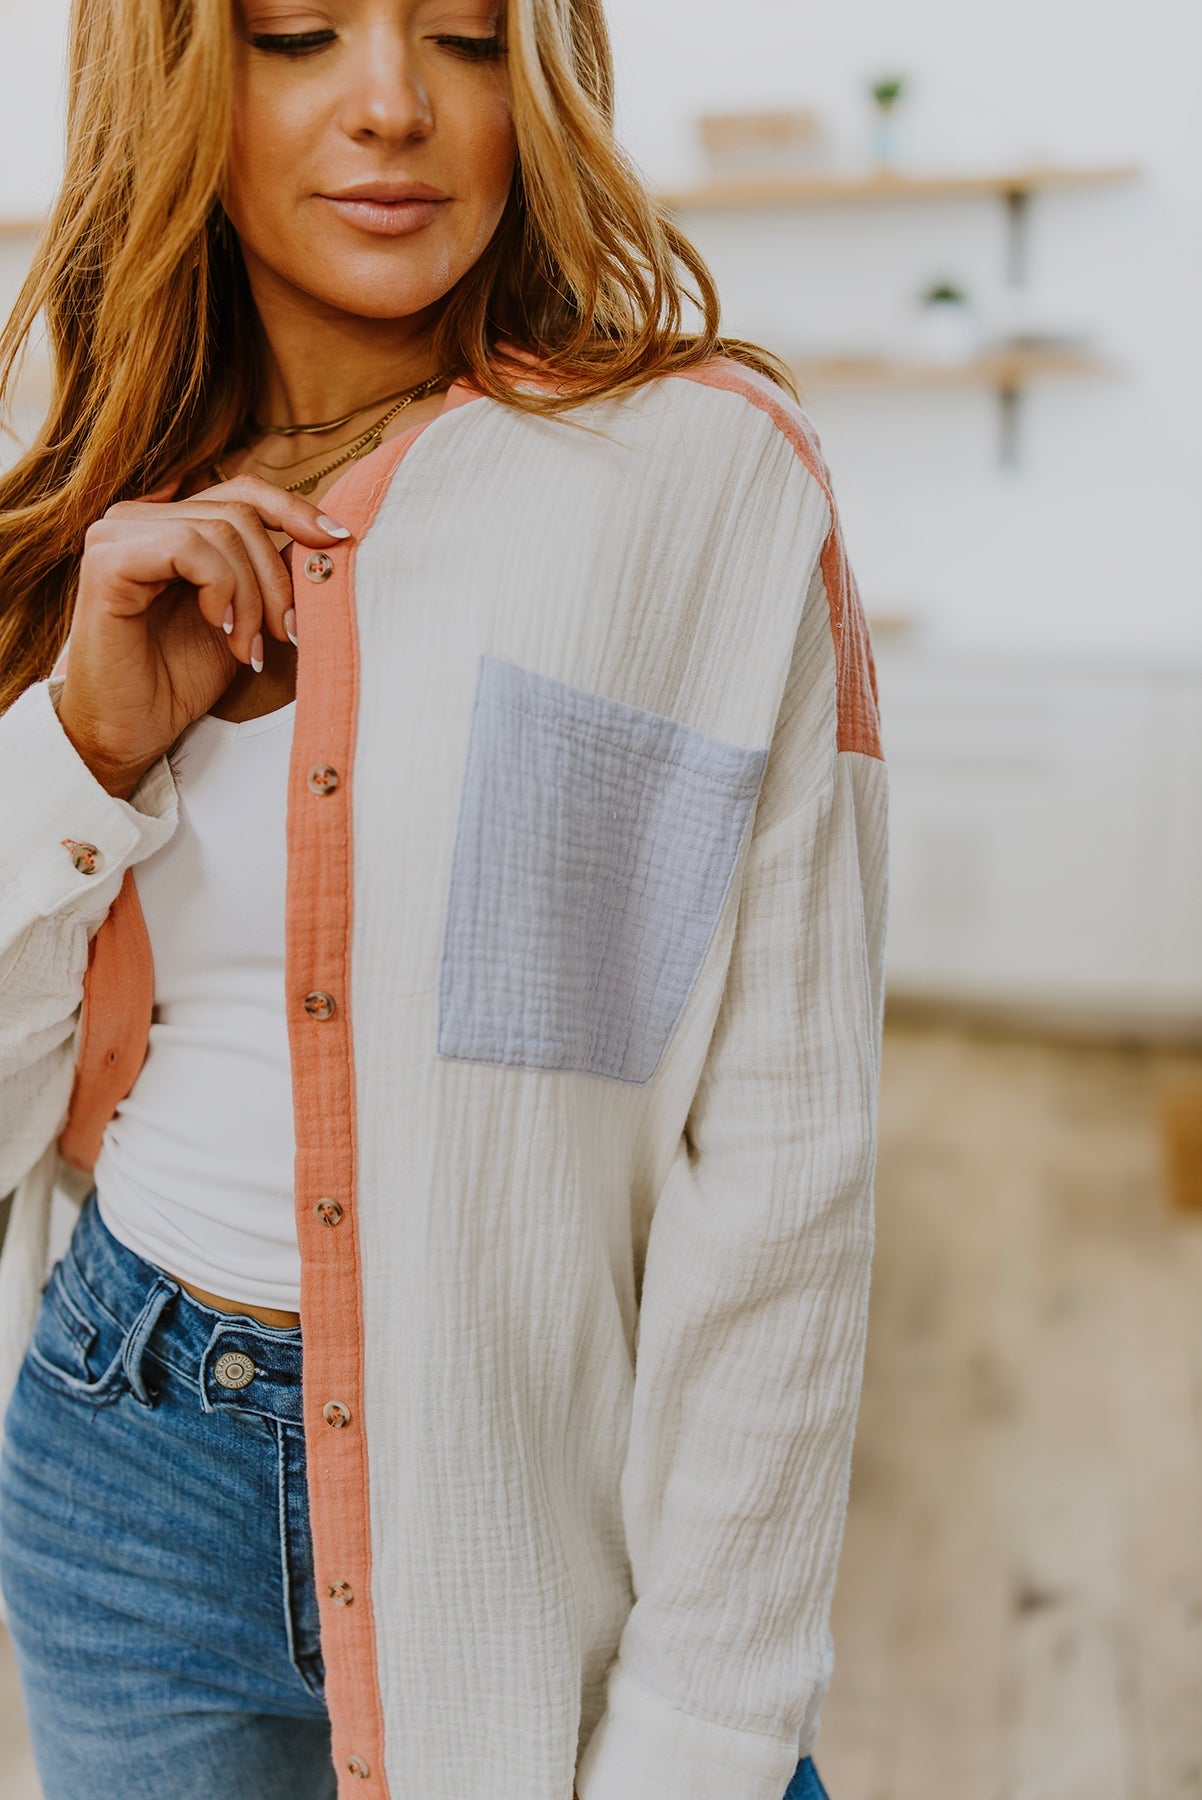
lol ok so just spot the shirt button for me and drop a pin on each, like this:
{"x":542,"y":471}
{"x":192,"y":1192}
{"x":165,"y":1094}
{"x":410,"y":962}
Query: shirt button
{"x":234,"y":1369}
{"x":340,"y":1593}
{"x":319,"y":1005}
{"x":357,"y":1766}
{"x":322,"y":779}
{"x":328,"y":1211}
{"x":86,"y":857}
{"x":335,"y":1413}
{"x":319,"y":566}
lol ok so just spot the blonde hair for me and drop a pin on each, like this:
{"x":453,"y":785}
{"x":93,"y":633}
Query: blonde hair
{"x":149,"y":318}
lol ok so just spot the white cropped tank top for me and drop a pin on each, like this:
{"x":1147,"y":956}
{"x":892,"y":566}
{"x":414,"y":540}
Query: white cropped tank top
{"x":195,"y":1170}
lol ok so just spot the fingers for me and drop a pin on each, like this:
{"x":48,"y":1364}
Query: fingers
{"x":278,"y":511}
{"x":213,"y":559}
{"x":251,"y":545}
{"x":251,"y":507}
{"x":130,"y":561}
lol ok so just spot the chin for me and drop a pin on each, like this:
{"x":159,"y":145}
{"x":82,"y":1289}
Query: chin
{"x":358,"y":304}
{"x":377,"y":297}
{"x":389,"y":286}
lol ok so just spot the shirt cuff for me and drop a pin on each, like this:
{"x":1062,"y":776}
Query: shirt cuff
{"x":65,"y":834}
{"x":644,"y":1749}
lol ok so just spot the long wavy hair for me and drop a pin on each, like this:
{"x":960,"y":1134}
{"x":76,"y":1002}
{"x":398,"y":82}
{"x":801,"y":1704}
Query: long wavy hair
{"x":139,"y":282}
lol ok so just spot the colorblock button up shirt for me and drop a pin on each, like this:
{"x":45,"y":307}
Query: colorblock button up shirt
{"x":585,"y":905}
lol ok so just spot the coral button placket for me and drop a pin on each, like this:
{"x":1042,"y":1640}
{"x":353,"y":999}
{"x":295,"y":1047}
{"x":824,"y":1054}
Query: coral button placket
{"x":319,"y":923}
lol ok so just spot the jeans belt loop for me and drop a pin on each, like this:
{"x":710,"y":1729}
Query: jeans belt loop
{"x":137,"y":1336}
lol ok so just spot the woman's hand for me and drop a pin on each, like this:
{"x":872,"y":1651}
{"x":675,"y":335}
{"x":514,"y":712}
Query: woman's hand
{"x":172,"y":596}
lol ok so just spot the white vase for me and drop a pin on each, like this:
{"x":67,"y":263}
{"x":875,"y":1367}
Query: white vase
{"x":947,"y":331}
{"x":884,"y":139}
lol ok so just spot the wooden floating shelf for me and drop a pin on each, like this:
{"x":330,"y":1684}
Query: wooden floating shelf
{"x":13,"y":228}
{"x":1008,"y":371}
{"x":1003,"y":369}
{"x":747,"y":192}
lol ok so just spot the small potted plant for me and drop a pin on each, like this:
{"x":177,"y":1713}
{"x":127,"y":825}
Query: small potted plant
{"x":886,"y":92}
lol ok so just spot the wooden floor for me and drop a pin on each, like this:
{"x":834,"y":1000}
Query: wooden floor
{"x":1019,"y":1607}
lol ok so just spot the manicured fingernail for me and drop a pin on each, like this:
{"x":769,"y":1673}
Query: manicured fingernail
{"x":227,"y":624}
{"x":256,"y":653}
{"x":332,"y":526}
{"x":290,"y":623}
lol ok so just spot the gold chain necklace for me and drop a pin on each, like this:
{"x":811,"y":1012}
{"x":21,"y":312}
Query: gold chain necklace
{"x":280,"y":468}
{"x":325,"y":424}
{"x":368,"y":441}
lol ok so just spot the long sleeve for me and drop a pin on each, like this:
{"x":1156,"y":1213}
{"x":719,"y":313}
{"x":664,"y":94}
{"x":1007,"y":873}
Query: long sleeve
{"x":50,"y":910}
{"x":754,"y":1299}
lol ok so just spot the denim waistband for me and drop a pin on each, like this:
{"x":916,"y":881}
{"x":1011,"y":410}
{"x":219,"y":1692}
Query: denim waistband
{"x":160,"y":1320}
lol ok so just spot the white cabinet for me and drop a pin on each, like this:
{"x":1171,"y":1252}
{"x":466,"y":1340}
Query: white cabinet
{"x":1046,"y":835}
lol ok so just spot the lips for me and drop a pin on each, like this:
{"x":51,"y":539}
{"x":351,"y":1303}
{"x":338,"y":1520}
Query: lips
{"x":388,"y":208}
{"x":387,"y":191}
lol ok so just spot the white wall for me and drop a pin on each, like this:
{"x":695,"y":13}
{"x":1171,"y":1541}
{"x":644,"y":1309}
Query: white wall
{"x":1093,"y":545}
{"x":32,"y":37}
{"x":32,"y":55}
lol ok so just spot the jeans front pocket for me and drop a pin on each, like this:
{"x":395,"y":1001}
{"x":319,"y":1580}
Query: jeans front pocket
{"x":594,"y":848}
{"x":75,"y":1347}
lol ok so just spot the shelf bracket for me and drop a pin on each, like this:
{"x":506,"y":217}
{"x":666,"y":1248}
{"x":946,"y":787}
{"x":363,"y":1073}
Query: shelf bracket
{"x":1009,"y":421}
{"x":1018,"y":235}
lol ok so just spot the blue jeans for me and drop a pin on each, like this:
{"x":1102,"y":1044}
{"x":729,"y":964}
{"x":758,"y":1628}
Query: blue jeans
{"x":155,"y":1556}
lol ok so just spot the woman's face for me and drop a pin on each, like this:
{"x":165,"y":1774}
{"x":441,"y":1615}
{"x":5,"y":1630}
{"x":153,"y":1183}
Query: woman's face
{"x":373,"y":147}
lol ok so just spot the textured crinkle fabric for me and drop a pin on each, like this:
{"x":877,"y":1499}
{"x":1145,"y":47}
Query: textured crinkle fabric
{"x":584,"y":993}
{"x":595,"y":845}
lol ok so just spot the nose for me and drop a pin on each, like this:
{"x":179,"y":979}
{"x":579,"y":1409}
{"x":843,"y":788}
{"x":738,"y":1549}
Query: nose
{"x":386,"y":96}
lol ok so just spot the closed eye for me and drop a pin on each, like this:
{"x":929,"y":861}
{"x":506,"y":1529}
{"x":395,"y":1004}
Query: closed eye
{"x":291,"y":43}
{"x":297,"y":43}
{"x":477,"y":49}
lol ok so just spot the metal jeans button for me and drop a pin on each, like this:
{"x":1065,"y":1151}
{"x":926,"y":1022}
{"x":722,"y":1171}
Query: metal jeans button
{"x":234,"y":1369}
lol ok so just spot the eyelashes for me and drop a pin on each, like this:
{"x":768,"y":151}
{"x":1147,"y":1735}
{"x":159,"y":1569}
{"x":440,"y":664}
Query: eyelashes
{"x":291,"y":43}
{"x":300,"y":43}
{"x":476,"y":49}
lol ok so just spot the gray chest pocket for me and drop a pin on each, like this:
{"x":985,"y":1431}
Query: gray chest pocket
{"x":594,"y":848}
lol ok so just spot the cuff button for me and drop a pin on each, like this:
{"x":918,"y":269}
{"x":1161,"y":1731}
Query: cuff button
{"x":86,"y":857}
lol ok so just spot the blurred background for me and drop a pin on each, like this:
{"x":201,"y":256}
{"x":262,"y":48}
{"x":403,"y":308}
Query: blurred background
{"x":975,"y":231}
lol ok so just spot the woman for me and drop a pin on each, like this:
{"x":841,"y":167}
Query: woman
{"x":442,"y":910}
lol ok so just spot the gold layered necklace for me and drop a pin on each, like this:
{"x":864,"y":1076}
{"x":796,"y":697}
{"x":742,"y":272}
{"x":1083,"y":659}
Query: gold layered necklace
{"x":363,"y":445}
